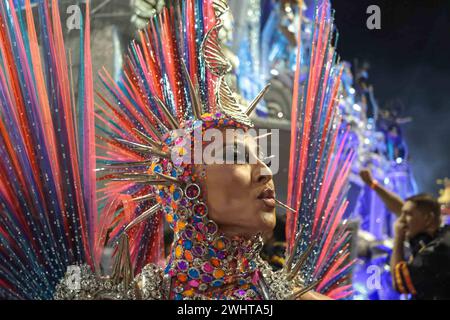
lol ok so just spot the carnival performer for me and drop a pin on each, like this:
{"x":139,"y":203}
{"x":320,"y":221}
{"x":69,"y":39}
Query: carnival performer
{"x":172,"y":95}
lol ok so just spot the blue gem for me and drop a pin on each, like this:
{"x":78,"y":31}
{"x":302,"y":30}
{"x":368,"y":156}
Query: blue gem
{"x":188,"y":244}
{"x":217,"y":283}
{"x":194,"y":273}
{"x":166,"y":270}
{"x":176,"y":195}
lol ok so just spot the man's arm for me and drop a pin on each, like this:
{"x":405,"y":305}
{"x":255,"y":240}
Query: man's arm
{"x":392,"y":201}
{"x":398,"y":255}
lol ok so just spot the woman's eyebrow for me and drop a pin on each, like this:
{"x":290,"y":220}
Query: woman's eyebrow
{"x":238,"y":145}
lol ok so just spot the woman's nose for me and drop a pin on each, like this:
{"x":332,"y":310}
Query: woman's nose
{"x":263,"y":173}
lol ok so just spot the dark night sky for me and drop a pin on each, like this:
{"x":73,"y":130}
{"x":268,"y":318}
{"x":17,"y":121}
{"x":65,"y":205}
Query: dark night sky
{"x":410,"y":61}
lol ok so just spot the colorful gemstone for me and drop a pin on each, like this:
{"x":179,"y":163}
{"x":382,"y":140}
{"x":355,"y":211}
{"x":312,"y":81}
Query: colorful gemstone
{"x":197,"y":219}
{"x":177,"y":195}
{"x":215,"y":262}
{"x":207,"y":267}
{"x":221,"y":254}
{"x":188,"y":255}
{"x":199,"y":236}
{"x":200,"y":226}
{"x":192,"y":191}
{"x":217,"y":283}
{"x":188,"y":293}
{"x":194,"y":273}
{"x":207,"y":278}
{"x":181,"y":224}
{"x":220,"y":244}
{"x":172,"y":272}
{"x":157,"y":168}
{"x":211,"y":252}
{"x":212,"y":227}
{"x":178,"y":296}
{"x":187,"y":244}
{"x":218,"y":273}
{"x":201,"y":209}
{"x":194,"y":283}
{"x":182,"y":277}
{"x":183,"y":265}
{"x":178,"y":251}
{"x":188,"y":233}
{"x":198,"y":250}
{"x":168,"y":210}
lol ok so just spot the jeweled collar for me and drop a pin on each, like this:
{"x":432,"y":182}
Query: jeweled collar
{"x":204,"y":262}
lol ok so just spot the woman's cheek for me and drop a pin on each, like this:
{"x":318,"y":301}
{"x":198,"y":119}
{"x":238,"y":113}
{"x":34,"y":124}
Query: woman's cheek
{"x":241,"y":175}
{"x":228,"y":185}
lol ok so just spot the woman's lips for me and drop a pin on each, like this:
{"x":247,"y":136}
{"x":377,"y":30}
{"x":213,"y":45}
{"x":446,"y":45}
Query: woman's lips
{"x":270,"y":203}
{"x":267,"y":196}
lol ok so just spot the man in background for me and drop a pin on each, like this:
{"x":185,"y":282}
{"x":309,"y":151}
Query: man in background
{"x":426,"y":274}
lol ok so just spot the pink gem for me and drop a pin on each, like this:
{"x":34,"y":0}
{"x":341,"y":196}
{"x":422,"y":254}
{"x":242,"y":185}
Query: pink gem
{"x":172,"y":272}
{"x":207,"y":267}
{"x":194,"y":283}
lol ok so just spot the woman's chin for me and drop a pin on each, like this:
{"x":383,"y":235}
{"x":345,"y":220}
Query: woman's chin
{"x":268,"y":220}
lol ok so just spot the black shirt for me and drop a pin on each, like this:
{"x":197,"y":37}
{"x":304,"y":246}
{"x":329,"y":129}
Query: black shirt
{"x":427,"y":275}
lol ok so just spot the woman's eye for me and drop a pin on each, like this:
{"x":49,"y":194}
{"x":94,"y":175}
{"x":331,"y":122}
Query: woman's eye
{"x":241,"y":157}
{"x":230,"y":154}
{"x":236,"y":155}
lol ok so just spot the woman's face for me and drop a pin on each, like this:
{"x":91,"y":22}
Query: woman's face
{"x":240,"y":197}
